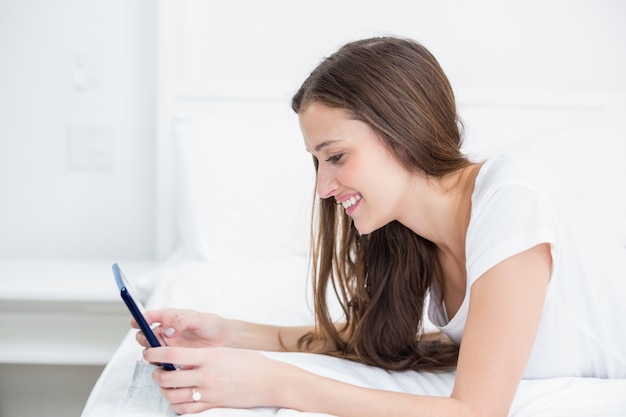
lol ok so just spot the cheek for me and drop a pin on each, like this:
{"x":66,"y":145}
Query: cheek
{"x":353,"y":175}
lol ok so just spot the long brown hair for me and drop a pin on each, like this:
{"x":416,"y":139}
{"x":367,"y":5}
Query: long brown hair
{"x":382,"y":279}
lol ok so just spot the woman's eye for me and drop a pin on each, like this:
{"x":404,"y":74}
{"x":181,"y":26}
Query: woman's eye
{"x":334,"y":158}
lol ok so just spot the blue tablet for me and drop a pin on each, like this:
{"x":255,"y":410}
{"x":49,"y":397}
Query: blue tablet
{"x":136,"y":310}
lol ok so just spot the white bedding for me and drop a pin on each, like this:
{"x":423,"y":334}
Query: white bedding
{"x":274,"y":292}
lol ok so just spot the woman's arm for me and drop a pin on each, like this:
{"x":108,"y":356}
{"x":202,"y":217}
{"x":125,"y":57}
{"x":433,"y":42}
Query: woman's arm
{"x":247,"y":335}
{"x":504,"y":314}
{"x":505,"y":308}
{"x":190,"y":328}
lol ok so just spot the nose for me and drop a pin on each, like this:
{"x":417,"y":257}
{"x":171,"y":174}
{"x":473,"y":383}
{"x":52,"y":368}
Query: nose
{"x":326,"y":183}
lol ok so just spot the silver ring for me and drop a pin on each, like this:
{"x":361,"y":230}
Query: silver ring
{"x":195,"y":395}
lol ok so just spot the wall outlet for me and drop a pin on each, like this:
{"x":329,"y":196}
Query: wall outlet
{"x":90,"y":148}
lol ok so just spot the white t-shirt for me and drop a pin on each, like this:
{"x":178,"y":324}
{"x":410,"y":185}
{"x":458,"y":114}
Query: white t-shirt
{"x":582,"y":331}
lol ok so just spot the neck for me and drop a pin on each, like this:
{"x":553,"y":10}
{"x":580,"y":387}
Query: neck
{"x":441,"y":210}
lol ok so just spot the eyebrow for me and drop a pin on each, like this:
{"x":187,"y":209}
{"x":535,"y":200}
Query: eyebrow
{"x":325,"y":144}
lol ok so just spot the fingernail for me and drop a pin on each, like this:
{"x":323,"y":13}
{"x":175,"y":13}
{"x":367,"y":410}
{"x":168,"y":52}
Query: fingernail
{"x":169,"y":332}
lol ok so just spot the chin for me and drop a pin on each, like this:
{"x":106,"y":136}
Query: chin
{"x":366,"y":228}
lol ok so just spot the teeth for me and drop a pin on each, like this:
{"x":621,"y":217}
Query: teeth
{"x":349,"y":202}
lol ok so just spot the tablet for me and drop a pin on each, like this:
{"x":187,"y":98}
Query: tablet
{"x":136,"y":309}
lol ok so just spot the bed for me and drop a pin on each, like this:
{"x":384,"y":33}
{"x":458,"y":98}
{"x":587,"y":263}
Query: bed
{"x":242,"y":193}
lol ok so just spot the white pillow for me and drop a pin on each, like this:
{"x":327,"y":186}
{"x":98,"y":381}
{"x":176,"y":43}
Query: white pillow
{"x":247,"y":182}
{"x":588,"y":156}
{"x":586,"y":145}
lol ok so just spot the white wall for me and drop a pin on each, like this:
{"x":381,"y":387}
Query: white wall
{"x":82,"y":71}
{"x":88,"y":68}
{"x":268,"y":47}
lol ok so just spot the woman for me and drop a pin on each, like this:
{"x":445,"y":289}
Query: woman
{"x":403,"y":214}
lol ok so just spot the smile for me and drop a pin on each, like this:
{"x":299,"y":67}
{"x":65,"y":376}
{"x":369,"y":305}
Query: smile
{"x":351,"y":201}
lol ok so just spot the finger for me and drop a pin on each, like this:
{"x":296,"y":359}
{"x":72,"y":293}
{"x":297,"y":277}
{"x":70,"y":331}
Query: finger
{"x":182,"y":320}
{"x":166,"y":319}
{"x":166,"y":315}
{"x":141,"y":339}
{"x":182,"y":395}
{"x":185,"y":357}
{"x":156,"y":316}
{"x":191,"y":408}
{"x":188,"y":400}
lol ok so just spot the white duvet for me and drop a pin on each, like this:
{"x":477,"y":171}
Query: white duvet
{"x":276,"y":292}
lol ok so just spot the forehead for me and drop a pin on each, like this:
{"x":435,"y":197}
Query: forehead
{"x":322,"y":125}
{"x":319,"y":115}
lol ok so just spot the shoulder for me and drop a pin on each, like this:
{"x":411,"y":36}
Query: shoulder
{"x":512,"y":211}
{"x":511,"y":185}
{"x":512,"y":170}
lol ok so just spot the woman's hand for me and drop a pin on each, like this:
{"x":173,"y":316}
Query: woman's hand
{"x":214,"y":377}
{"x":186,"y":328}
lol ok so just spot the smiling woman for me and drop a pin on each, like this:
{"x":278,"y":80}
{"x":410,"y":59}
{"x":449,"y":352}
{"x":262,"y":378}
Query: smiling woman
{"x":403,"y":217}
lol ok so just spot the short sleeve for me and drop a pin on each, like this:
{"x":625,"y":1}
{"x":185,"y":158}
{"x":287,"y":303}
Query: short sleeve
{"x":506,"y":221}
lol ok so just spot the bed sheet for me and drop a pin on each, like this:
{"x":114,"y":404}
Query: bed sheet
{"x":275,"y":291}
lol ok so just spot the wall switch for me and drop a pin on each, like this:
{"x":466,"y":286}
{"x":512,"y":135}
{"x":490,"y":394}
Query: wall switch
{"x":90,"y":148}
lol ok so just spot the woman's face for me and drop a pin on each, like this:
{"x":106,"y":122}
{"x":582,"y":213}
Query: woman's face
{"x":354,"y":167}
